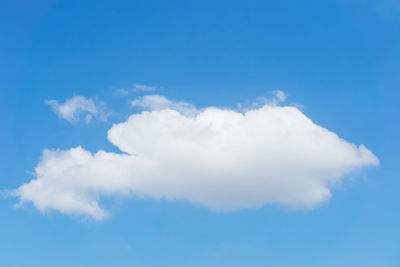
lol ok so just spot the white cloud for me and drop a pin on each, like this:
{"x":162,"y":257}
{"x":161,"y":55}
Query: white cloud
{"x":74,"y":107}
{"x":223,"y":159}
{"x":143,"y":88}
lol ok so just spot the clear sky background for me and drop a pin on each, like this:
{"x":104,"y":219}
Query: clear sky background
{"x":339,"y":60}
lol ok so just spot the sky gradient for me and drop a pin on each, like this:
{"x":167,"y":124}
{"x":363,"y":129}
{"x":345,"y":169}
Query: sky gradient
{"x":337,"y":62}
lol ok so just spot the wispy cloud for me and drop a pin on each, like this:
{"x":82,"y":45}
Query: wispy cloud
{"x":280,"y":96}
{"x":76,"y":107}
{"x":122,"y":92}
{"x":144,"y":88}
{"x":136,"y":88}
{"x":158,"y":102}
{"x":277,"y":97}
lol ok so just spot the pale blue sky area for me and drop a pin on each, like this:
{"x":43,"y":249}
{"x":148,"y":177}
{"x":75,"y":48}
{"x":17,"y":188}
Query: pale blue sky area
{"x":339,"y":60}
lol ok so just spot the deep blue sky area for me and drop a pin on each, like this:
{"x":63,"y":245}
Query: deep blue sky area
{"x":338,"y":60}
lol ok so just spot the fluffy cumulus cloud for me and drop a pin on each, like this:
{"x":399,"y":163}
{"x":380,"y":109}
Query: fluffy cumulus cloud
{"x":77,"y":106}
{"x":223,"y":159}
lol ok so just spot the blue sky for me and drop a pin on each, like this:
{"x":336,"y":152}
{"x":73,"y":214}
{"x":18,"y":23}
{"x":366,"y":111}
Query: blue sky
{"x":337,"y":61}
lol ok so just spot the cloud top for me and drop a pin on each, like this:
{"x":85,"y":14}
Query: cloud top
{"x":222,"y":159}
